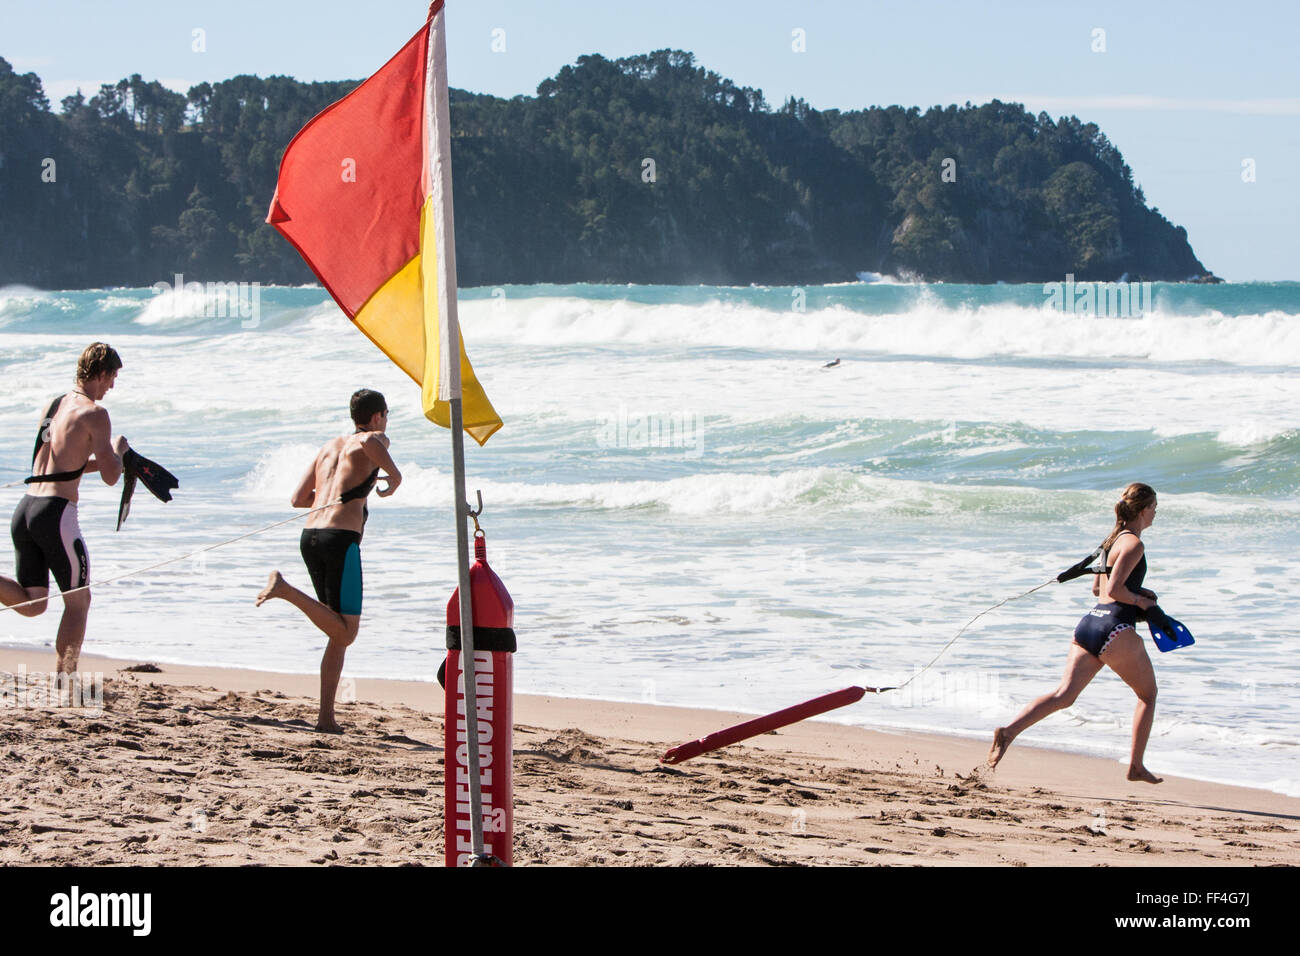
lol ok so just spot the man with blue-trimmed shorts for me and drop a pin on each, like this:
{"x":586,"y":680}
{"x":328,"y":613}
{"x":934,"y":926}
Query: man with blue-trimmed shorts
{"x":335,"y":488}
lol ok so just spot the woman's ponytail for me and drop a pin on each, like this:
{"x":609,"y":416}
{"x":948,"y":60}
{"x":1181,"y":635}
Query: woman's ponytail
{"x":1136,"y":499}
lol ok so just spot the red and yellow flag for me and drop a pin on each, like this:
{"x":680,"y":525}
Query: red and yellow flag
{"x":364,"y":195}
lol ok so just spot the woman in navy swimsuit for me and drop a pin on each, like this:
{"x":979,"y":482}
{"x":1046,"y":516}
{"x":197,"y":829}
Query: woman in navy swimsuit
{"x":1107,"y":634}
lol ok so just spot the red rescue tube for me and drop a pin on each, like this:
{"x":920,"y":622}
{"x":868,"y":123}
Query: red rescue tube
{"x":761,"y":725}
{"x":494,"y":646}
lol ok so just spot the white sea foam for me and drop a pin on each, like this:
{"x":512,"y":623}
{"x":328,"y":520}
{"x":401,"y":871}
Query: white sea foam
{"x":276,"y":475}
{"x":1253,"y":431}
{"x":23,"y":294}
{"x":820,"y":489}
{"x":927,"y":328}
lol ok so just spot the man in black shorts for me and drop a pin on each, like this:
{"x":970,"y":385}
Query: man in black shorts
{"x":337,"y":483}
{"x":74,"y":438}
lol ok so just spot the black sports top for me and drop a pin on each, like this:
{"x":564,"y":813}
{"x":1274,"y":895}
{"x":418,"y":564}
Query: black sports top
{"x":46,"y":419}
{"x":1137,"y":575}
{"x":361,"y":490}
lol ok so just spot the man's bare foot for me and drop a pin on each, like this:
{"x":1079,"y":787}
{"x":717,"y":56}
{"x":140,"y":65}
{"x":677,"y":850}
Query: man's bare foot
{"x":1000,"y":744}
{"x":274,"y":588}
{"x":329,"y":727}
{"x":1143,"y":775}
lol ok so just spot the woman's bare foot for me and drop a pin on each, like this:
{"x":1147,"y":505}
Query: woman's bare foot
{"x":1143,"y":775}
{"x":328,"y":728}
{"x":1000,"y":744}
{"x":274,"y":587}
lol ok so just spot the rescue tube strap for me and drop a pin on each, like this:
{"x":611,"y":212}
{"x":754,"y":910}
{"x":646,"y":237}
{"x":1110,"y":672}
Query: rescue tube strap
{"x":181,"y":557}
{"x":1083,"y":567}
{"x":485,"y":638}
{"x":46,"y":420}
{"x":1077,"y":570}
{"x":57,"y":476}
{"x":881,"y":690}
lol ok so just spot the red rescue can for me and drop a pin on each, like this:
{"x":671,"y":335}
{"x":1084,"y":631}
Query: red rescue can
{"x":494,"y":647}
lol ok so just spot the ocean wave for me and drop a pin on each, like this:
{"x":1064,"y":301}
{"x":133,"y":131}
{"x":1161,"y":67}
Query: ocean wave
{"x":927,"y":328}
{"x":801,"y":489}
{"x":954,"y":322}
{"x":276,"y":473}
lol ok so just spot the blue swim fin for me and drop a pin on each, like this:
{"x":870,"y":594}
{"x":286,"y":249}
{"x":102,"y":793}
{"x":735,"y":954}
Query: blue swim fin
{"x":1166,"y":632}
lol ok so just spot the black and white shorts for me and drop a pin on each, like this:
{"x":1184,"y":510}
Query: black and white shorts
{"x":47,"y":538}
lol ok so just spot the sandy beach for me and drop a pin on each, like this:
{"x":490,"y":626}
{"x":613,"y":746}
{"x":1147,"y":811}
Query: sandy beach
{"x":209,"y":766}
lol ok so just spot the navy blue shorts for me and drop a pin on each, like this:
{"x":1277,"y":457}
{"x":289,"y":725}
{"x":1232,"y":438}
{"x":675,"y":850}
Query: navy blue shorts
{"x":1094,"y":632}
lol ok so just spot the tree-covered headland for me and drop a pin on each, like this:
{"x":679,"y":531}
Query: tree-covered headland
{"x":648,"y":169}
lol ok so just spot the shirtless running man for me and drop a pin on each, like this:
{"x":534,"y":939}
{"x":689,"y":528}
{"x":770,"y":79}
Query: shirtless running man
{"x":74,"y":439}
{"x":345,"y":468}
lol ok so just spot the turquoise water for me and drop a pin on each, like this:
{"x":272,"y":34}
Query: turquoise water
{"x":688,"y":508}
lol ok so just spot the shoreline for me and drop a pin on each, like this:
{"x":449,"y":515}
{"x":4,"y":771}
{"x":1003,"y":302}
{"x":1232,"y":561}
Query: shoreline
{"x":213,"y":766}
{"x":702,"y":720}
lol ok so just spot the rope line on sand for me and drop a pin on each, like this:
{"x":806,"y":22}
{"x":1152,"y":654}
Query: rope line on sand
{"x":211,"y":547}
{"x":881,"y":690}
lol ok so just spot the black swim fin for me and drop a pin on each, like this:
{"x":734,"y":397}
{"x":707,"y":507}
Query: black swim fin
{"x":128,"y":489}
{"x":1081,"y":568}
{"x":137,"y":468}
{"x":1166,"y":632}
{"x":153,"y":476}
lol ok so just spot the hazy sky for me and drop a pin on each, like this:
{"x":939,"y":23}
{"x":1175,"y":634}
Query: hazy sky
{"x":1188,"y":91}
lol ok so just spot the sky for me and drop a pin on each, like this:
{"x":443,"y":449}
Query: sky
{"x":1202,"y":99}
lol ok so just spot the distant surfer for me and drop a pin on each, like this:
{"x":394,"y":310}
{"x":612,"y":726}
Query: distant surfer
{"x":338,"y":481}
{"x":834,"y":364}
{"x":1108,"y":635}
{"x":74,"y":438}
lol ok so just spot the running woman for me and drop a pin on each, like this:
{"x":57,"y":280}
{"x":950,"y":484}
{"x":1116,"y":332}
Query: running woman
{"x":1107,"y":635}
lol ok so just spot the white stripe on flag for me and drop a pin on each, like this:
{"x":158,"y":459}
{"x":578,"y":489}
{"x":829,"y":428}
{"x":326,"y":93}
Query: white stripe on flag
{"x":437,"y":115}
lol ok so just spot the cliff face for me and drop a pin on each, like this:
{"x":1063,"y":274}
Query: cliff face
{"x":645,"y":169}
{"x":1078,"y":227}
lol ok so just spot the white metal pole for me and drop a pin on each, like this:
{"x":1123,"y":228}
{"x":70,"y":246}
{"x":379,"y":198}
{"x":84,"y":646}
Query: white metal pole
{"x":438,"y":144}
{"x":470,"y":687}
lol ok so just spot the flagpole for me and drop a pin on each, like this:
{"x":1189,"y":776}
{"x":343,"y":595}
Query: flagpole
{"x":438,"y":143}
{"x":466,"y":627}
